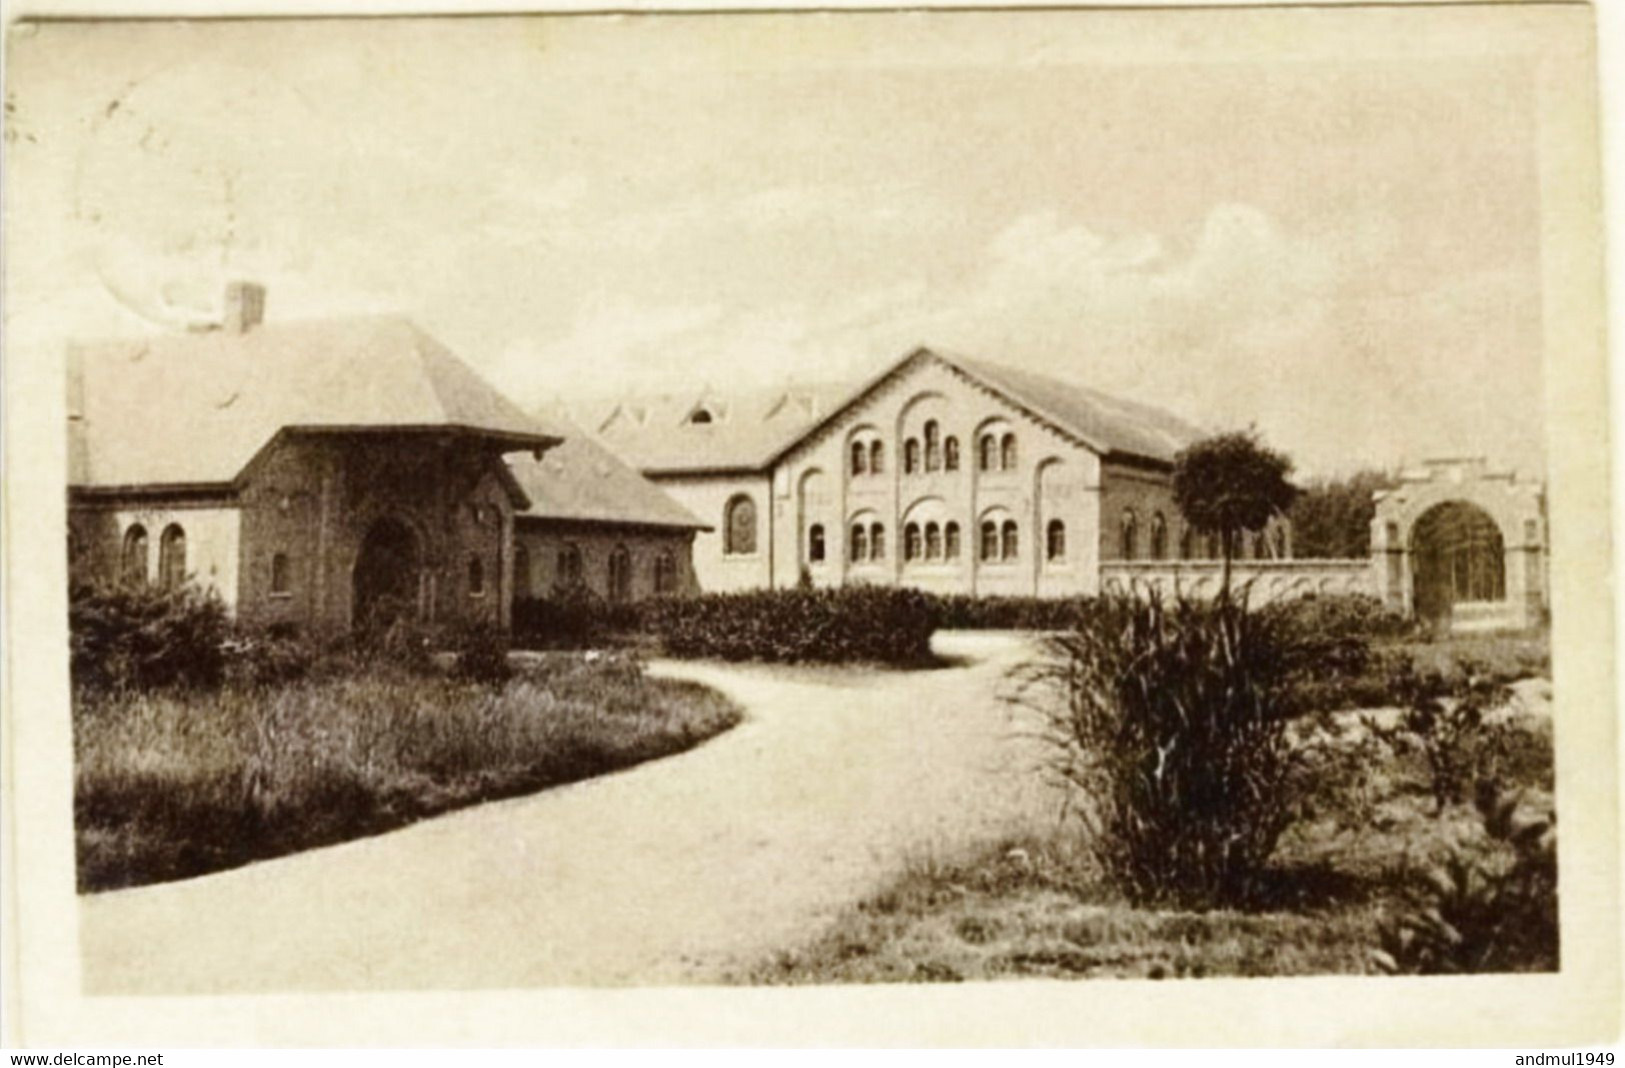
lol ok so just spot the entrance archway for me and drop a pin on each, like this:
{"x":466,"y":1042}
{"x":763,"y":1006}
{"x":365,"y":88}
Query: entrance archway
{"x":1457,"y":557}
{"x":386,"y":576}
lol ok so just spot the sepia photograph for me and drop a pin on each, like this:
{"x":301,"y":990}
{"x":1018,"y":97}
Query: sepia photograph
{"x":1009,"y":499}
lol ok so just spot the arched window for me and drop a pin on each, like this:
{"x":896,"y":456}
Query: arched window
{"x":911,"y":456}
{"x":933,"y":446}
{"x":476,"y":577}
{"x":911,"y":542}
{"x":1007,"y":452}
{"x":281,"y":575}
{"x":665,"y":573}
{"x":1159,"y":537}
{"x":133,"y":565}
{"x":988,"y":453}
{"x":933,"y":542}
{"x":1129,"y":536}
{"x":1010,"y":545}
{"x":950,"y":541}
{"x":569,"y":572}
{"x":1055,"y":541}
{"x":739,"y":527}
{"x":877,"y":458}
{"x":990,"y":540}
{"x":1280,"y":543}
{"x":859,"y":543}
{"x":815,"y":543}
{"x":877,"y":542}
{"x":172,"y":557}
{"x":950,"y":454}
{"x":700,"y":416}
{"x":860,"y":458}
{"x":1185,"y":538}
{"x":521,"y":569}
{"x":620,"y":575}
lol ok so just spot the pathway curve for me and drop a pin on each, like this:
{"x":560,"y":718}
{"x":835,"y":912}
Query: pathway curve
{"x":672,"y":871}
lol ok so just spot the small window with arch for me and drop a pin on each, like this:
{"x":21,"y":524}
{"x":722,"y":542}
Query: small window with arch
{"x":815,"y":543}
{"x":133,"y":563}
{"x":1010,"y":547}
{"x":912,"y":544}
{"x":1055,"y":541}
{"x":950,"y":453}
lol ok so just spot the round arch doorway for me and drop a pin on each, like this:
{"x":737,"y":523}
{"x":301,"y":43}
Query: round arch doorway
{"x":1457,"y":557}
{"x":386,"y":576}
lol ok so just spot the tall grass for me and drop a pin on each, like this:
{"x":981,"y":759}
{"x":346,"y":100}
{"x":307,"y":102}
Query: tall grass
{"x":1170,"y":717}
{"x":177,"y":783}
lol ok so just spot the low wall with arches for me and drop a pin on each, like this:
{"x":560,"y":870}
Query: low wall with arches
{"x":1267,"y":580}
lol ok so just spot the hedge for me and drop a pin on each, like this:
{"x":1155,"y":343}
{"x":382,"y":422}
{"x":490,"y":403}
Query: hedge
{"x":859,"y":623}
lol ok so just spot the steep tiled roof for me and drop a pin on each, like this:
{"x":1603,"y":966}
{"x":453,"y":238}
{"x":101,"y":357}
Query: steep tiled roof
{"x":582,"y":480}
{"x":657,"y":434}
{"x":195,"y":408}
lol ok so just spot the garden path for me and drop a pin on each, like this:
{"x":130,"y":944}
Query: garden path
{"x":674,"y":871}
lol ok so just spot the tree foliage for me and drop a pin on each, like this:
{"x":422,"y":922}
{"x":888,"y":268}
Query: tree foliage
{"x":1331,"y":519}
{"x":1232,"y":483}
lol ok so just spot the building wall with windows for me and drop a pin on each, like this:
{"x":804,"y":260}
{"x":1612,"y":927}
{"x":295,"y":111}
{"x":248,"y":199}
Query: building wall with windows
{"x":551,"y":558}
{"x":157,"y":543}
{"x":286,"y":548}
{"x":737,"y":553}
{"x":930,"y":481}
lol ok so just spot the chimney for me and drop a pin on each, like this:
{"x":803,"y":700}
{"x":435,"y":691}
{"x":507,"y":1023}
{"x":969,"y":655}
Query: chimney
{"x":245,"y":307}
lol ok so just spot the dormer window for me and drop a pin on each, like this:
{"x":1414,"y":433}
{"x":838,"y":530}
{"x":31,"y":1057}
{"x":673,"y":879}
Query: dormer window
{"x":700,"y":417}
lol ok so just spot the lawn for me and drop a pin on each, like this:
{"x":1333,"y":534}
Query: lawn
{"x":1036,"y":906}
{"x":179,"y":783}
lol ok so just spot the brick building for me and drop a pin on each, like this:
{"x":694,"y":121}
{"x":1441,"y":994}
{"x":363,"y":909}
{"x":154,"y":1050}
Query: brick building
{"x":322,"y":474}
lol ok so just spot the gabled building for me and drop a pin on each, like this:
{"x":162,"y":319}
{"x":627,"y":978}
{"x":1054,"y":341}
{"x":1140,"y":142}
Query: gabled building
{"x":321,"y":474}
{"x":940,"y":472}
{"x":594,"y":524}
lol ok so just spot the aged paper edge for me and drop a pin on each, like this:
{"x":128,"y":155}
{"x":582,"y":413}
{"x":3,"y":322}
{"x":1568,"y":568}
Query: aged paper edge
{"x":1579,"y":1005}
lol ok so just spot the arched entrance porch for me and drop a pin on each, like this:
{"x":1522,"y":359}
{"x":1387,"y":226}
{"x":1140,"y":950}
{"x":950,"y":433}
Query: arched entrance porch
{"x":385,"y":583}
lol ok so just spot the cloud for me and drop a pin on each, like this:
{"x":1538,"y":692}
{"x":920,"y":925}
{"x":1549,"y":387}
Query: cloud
{"x":1240,"y":321}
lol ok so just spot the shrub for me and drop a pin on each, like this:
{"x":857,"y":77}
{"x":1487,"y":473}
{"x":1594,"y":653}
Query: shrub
{"x":140,"y":637}
{"x":1442,"y":720}
{"x":270,"y":656}
{"x":851,"y":624}
{"x":1172,"y":723}
{"x":1490,"y":906}
{"x":480,"y":654}
{"x":961,"y":611}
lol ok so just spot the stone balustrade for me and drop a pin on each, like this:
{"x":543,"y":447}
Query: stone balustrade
{"x":1267,"y":580}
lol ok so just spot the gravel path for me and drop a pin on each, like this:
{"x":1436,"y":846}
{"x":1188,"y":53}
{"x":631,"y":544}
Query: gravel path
{"x":673,"y":871}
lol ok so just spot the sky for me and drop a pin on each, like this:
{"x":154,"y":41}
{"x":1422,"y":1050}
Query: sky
{"x":1340,"y":249}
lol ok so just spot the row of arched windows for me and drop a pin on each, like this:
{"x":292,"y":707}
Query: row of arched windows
{"x":931,"y":541}
{"x":867,"y":542}
{"x":932,"y":452}
{"x":171,"y":556}
{"x":938,"y":541}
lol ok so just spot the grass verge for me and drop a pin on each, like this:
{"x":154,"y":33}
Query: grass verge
{"x":175,"y":784}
